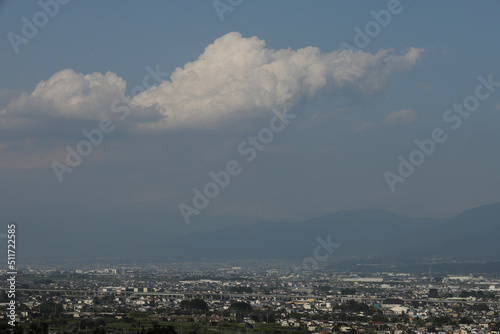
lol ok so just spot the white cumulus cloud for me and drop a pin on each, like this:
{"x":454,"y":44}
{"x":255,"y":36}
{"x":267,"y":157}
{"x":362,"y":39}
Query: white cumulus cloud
{"x":72,"y":95}
{"x":237,"y":75}
{"x":234,"y":78}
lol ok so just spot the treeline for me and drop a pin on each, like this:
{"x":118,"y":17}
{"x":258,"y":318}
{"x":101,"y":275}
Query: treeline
{"x":240,"y":289}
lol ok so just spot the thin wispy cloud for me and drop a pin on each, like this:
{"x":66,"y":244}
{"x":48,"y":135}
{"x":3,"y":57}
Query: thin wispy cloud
{"x":395,"y":118}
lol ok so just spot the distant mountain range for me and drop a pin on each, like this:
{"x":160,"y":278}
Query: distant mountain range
{"x":472,"y":235}
{"x":375,"y":234}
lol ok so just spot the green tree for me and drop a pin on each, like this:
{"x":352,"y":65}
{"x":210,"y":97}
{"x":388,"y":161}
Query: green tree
{"x":240,"y":289}
{"x":47,"y":308}
{"x":4,"y":297}
{"x":198,"y":304}
{"x":348,"y":291}
{"x":241,"y":306}
{"x":464,"y":294}
{"x":185,"y":304}
{"x":480,"y":307}
{"x":36,"y":329}
{"x":466,"y":320}
{"x":162,"y":330}
{"x":433,"y":293}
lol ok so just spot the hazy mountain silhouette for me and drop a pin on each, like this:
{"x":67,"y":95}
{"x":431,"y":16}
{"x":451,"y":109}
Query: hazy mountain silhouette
{"x":472,"y":235}
{"x":377,"y":234}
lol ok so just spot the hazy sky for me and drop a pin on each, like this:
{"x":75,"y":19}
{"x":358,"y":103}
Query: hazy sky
{"x":170,"y":91}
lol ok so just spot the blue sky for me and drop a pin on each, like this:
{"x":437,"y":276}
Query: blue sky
{"x":331,"y":157}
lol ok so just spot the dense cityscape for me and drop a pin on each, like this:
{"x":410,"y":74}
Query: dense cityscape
{"x":224,"y":298}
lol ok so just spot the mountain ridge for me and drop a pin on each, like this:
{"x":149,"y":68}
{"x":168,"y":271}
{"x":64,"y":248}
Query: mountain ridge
{"x":373,"y":233}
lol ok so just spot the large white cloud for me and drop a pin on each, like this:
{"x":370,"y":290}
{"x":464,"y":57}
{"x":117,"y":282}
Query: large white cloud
{"x":72,"y":95}
{"x":235,"y":77}
{"x":238,"y":75}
